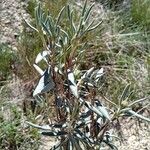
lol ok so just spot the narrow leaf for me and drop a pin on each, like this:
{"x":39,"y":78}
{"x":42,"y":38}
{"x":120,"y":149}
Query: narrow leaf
{"x":99,"y":73}
{"x":44,"y":127}
{"x":39,"y":70}
{"x":91,"y":107}
{"x":125,"y":93}
{"x":46,"y":29}
{"x":84,"y":8}
{"x":88,"y":12}
{"x":102,"y":109}
{"x":59,"y":15}
{"x":72,"y":84}
{"x":131,"y":112}
{"x":88,"y":73}
{"x":137,"y":101}
{"x":31,"y":26}
{"x":94,"y":27}
{"x":72,"y":23}
{"x":41,"y":56}
{"x":69,"y":145}
{"x":45,"y":83}
{"x":53,"y":133}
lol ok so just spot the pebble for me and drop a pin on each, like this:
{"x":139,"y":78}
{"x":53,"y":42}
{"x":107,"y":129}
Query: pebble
{"x":12,"y":12}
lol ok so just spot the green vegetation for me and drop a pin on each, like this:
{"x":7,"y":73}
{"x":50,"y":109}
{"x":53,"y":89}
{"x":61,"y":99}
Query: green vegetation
{"x":6,"y":60}
{"x":141,"y":12}
{"x":67,"y":43}
{"x":13,"y":133}
{"x":120,"y":45}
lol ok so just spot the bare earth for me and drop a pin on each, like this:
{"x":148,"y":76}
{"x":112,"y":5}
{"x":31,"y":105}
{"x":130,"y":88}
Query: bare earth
{"x":11,"y":14}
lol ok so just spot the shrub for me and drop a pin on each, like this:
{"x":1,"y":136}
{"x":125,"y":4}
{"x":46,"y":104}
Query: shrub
{"x":81,"y":121}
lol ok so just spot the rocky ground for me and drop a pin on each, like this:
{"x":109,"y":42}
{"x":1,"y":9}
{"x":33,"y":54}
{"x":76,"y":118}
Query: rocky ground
{"x":135,"y":134}
{"x":11,"y":14}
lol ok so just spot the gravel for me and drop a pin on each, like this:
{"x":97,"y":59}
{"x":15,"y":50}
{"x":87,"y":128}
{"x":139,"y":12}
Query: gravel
{"x":136,"y":135}
{"x":11,"y":14}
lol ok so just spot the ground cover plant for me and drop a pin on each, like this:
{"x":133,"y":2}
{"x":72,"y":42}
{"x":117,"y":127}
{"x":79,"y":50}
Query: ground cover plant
{"x":13,"y":134}
{"x":80,"y":120}
{"x":6,"y":61}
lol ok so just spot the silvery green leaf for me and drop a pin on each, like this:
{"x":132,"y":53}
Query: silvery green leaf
{"x":125,"y":94}
{"x":41,"y":56}
{"x":102,"y":109}
{"x":38,"y":69}
{"x":39,"y":11}
{"x":57,"y":31}
{"x":84,"y":8}
{"x":87,"y":130}
{"x":59,"y":16}
{"x":58,"y":45}
{"x":84,"y":122}
{"x":69,"y":12}
{"x":99,"y":120}
{"x":65,"y":37}
{"x":73,"y":27}
{"x":99,"y":73}
{"x":44,"y":127}
{"x":72,"y":84}
{"x":67,"y":106}
{"x":54,"y":133}
{"x":65,"y":33}
{"x":82,"y":136}
{"x":139,"y":100}
{"x":45,"y":83}
{"x":94,"y":27}
{"x":58,"y":70}
{"x":124,"y":110}
{"x":79,"y":26}
{"x":87,"y":14}
{"x":107,"y":136}
{"x":52,"y":25}
{"x":31,"y":26}
{"x":91,"y":107}
{"x":88,"y":27}
{"x":60,"y":125}
{"x":89,"y":84}
{"x":61,"y":42}
{"x":69,"y":145}
{"x":133,"y":113}
{"x":86,"y":114}
{"x":38,"y":14}
{"x":45,"y":29}
{"x":88,"y":73}
{"x":65,"y":40}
